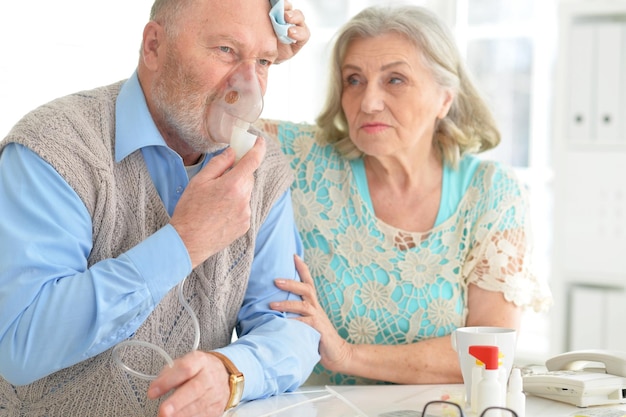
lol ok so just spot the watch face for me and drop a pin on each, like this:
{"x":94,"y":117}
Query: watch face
{"x":237,"y":388}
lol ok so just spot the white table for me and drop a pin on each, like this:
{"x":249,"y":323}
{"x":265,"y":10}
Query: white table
{"x":374,"y":400}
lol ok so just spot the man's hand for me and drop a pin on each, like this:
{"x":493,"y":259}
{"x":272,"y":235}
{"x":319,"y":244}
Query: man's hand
{"x":215,"y":209}
{"x":200,"y":381}
{"x":299,"y":33}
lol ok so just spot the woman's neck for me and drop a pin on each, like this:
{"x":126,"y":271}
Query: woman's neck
{"x":405,"y":196}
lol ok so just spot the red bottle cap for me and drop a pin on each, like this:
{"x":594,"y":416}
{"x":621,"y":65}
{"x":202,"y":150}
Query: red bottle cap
{"x":486,"y":354}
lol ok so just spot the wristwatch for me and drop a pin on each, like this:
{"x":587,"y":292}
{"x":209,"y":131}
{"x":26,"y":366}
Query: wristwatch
{"x":235,"y":381}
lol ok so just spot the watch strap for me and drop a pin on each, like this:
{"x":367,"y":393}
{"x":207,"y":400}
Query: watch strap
{"x":235,"y":380}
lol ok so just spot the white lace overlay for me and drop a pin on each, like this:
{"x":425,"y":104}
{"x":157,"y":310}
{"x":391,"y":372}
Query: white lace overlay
{"x":382,"y":285}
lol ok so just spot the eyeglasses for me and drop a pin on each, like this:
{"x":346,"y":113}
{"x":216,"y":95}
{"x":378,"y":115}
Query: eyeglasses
{"x":449,"y":409}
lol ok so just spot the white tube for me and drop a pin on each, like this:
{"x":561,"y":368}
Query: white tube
{"x":241,"y":140}
{"x":157,"y":349}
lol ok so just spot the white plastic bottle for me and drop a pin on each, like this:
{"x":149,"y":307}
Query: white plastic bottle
{"x":489,"y":388}
{"x":503,"y":376}
{"x":477,"y":375}
{"x":515,"y":398}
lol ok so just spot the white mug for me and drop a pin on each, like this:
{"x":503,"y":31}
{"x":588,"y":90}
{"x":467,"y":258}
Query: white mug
{"x":464,"y":337}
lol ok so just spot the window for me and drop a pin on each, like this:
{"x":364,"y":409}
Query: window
{"x":510,"y":49}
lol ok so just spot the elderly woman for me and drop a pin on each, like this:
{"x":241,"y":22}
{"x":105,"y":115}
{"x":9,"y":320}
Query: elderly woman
{"x":408,"y":235}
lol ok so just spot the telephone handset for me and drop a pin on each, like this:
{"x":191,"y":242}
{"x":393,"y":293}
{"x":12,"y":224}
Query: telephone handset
{"x":614,"y":361}
{"x":582,"y":378}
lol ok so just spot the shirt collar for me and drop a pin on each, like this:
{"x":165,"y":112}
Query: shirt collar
{"x":134,"y":126}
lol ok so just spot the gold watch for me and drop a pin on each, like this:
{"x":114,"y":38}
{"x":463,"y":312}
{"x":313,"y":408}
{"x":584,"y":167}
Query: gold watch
{"x":235,"y":381}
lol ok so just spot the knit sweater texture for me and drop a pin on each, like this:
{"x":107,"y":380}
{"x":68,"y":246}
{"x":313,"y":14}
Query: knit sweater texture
{"x":76,"y":136}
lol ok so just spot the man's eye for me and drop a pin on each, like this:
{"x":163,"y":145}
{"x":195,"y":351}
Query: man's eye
{"x":226,"y":49}
{"x":265,"y":62}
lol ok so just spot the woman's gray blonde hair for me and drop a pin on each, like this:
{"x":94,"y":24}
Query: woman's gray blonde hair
{"x":469,"y":126}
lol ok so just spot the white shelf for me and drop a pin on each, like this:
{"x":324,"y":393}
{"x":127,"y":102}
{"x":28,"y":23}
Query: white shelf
{"x":589,"y":159}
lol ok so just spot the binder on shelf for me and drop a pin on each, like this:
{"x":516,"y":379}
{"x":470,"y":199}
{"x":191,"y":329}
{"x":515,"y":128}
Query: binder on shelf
{"x":580,"y":66}
{"x":610,"y":82}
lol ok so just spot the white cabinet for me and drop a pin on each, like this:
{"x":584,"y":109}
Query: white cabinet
{"x":611,"y":77}
{"x":589,"y":157}
{"x":595,"y":319}
{"x":596,"y":77}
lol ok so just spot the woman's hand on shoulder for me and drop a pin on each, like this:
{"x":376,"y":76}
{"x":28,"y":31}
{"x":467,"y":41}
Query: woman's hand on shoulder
{"x":334,"y":350}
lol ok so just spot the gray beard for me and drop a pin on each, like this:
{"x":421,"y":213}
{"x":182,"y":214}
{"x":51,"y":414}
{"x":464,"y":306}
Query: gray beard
{"x":183,"y":118}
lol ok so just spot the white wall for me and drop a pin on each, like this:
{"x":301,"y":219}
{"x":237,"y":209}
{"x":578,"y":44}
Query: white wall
{"x":52,"y":48}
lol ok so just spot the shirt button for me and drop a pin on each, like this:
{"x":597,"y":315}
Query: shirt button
{"x":179,"y":189}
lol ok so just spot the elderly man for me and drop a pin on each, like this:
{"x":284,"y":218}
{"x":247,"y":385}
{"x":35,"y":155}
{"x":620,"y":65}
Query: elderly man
{"x":114,"y":197}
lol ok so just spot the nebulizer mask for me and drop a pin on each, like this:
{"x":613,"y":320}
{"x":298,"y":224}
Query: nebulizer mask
{"x":237,"y":102}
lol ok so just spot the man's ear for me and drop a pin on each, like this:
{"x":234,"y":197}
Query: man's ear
{"x":153,"y":45}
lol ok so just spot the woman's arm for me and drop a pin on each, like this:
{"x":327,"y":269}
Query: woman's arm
{"x":431,"y":361}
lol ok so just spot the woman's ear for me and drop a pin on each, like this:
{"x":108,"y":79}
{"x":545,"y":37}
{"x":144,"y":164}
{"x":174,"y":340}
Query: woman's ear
{"x":448,"y":97}
{"x":153,"y":45}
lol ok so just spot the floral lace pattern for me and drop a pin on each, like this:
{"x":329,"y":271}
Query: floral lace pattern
{"x":382,"y":285}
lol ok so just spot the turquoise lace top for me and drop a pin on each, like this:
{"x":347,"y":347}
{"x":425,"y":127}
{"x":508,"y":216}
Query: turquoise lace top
{"x":382,"y":285}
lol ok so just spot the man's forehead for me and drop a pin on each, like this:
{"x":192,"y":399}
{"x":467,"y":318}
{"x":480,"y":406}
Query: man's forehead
{"x":253,"y":13}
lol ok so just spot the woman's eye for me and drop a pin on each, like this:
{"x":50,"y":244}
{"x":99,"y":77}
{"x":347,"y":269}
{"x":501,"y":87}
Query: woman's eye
{"x":352,"y":80}
{"x":395,"y":80}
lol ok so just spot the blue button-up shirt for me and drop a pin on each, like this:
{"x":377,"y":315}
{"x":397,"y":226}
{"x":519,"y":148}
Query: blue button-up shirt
{"x":56,"y":312}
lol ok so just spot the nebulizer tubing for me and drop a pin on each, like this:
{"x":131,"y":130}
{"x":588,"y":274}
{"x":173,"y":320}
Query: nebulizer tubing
{"x":157,"y":349}
{"x":236,"y":103}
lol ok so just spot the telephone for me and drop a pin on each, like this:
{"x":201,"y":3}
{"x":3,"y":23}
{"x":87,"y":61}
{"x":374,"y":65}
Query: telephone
{"x":582,"y":377}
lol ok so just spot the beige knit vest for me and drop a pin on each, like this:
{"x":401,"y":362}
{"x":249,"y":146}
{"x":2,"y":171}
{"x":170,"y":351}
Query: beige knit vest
{"x":76,"y":135}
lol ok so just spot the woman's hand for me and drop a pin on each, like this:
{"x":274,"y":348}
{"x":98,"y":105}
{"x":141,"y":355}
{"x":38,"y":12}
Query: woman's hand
{"x":299,"y":32}
{"x":334,"y":351}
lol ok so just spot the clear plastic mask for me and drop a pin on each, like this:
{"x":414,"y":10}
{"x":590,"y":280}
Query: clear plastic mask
{"x":237,"y":102}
